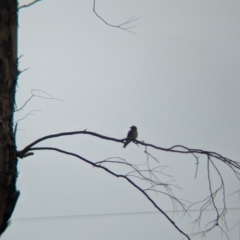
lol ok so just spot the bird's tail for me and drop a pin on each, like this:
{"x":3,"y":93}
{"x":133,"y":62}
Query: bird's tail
{"x":126,"y":143}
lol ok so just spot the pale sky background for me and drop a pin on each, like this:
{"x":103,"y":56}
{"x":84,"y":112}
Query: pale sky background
{"x":176,"y":79}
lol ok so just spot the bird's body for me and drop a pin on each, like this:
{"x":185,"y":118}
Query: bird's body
{"x":132,"y":135}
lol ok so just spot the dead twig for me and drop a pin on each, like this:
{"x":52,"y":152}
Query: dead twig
{"x":28,"y":4}
{"x":121,"y":26}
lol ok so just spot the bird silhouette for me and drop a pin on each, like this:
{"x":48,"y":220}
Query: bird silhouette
{"x":132,"y":134}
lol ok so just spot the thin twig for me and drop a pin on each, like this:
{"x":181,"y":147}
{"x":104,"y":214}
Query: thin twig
{"x":118,"y":176}
{"x":149,"y":175}
{"x":120,"y":26}
{"x":28,"y":4}
{"x":29,"y":114}
{"x":36,"y":95}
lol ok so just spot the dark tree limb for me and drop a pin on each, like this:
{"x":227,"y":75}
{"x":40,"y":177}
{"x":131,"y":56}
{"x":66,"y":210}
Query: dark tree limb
{"x":155,"y":181}
{"x":233,"y":165}
{"x":99,"y":165}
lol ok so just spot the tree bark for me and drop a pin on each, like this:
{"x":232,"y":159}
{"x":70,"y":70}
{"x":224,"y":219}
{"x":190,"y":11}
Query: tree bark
{"x":8,"y":79}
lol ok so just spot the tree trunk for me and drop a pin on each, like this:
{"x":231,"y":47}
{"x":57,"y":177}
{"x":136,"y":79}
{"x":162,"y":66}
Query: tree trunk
{"x":8,"y":79}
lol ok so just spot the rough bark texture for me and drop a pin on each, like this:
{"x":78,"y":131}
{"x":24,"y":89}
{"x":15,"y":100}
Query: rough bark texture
{"x":8,"y":78}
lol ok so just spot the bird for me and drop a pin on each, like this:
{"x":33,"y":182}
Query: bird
{"x":132,"y":134}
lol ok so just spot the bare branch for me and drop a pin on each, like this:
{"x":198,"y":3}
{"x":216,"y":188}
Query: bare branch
{"x":36,"y":95}
{"x":234,"y":165}
{"x":29,"y":114}
{"x":150,"y":175}
{"x":235,"y":192}
{"x":120,"y":26}
{"x":29,"y":4}
{"x":118,"y":176}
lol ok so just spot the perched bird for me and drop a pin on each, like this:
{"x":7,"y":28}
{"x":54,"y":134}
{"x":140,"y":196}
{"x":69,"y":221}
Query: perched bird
{"x":132,"y":134}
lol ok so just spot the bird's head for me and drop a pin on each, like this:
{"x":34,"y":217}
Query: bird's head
{"x":133,"y":127}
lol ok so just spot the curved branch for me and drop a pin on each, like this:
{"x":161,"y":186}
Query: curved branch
{"x":28,"y":5}
{"x":26,"y":149}
{"x":118,"y":176}
{"x":148,"y":175}
{"x":234,"y":165}
{"x":120,"y":26}
{"x":48,"y":96}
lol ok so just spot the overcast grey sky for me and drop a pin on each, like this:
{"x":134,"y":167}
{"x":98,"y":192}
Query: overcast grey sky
{"x":176,"y":79}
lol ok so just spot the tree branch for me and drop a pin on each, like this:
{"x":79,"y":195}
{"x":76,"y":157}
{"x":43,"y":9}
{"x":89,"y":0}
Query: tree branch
{"x":48,"y":96}
{"x":234,"y":165}
{"x":118,"y":176}
{"x":29,"y":4}
{"x":149,"y":175}
{"x":120,"y":26}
